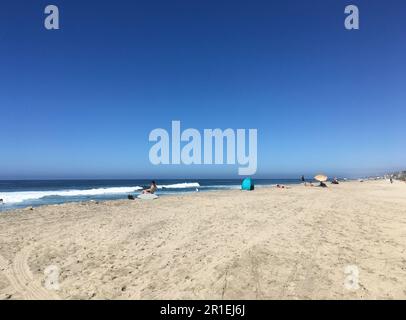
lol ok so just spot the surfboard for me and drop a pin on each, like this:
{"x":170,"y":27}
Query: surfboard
{"x":147,"y":196}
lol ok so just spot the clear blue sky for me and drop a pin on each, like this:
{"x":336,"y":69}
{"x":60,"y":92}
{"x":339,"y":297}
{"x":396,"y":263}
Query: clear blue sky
{"x":80,"y":102}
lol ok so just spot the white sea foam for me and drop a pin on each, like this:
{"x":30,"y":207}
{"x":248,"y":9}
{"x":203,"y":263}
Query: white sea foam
{"x":15,"y":197}
{"x":180,"y":185}
{"x":20,"y":196}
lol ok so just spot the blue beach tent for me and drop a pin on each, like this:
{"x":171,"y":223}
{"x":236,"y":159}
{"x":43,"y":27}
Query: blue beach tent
{"x":247,"y":184}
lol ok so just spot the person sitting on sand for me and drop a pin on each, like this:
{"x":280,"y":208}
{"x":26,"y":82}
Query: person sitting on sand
{"x":151,"y":189}
{"x":335,"y":181}
{"x":322,"y":184}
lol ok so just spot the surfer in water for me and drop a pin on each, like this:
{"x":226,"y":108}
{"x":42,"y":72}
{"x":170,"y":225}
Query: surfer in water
{"x":151,"y":189}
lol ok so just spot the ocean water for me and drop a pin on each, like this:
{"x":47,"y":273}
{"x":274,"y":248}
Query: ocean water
{"x":24,"y":193}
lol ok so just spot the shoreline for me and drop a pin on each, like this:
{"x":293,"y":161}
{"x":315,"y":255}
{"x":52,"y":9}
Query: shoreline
{"x":134,"y":193}
{"x":265,"y":244}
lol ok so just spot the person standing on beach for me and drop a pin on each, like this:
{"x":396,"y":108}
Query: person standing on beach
{"x":303,"y":180}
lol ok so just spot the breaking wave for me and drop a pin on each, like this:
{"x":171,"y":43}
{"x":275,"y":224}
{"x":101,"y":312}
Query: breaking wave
{"x":21,"y":196}
{"x":15,"y":197}
{"x":180,"y":185}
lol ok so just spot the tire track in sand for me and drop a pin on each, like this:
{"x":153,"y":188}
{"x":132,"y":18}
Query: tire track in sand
{"x":22,"y":273}
{"x":21,"y":279}
{"x":8,"y":273}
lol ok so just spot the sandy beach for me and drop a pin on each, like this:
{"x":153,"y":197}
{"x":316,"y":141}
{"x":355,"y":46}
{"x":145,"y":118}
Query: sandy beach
{"x":267,"y":244}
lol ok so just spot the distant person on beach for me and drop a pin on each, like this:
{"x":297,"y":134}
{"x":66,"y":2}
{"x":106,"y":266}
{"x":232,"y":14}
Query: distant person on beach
{"x":281,"y":186}
{"x":152,"y":189}
{"x":322,"y":184}
{"x":335,"y":181}
{"x":1,"y":201}
{"x":302,"y":178}
{"x":391,"y":180}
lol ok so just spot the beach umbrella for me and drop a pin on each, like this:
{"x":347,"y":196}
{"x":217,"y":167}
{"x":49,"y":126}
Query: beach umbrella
{"x":321,"y":178}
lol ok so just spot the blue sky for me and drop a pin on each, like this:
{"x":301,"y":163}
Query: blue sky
{"x":80,"y":102}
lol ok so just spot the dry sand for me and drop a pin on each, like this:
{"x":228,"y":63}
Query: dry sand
{"x":266,"y":244}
